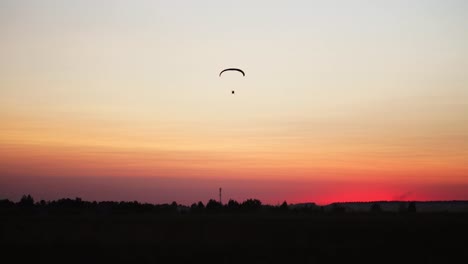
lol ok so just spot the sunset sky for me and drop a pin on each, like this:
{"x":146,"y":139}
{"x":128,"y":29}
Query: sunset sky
{"x":342,"y":100}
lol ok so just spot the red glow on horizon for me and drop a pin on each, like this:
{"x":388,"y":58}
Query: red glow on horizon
{"x":189,"y":190}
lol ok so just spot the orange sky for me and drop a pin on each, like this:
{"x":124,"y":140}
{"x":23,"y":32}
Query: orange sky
{"x":269,"y":167}
{"x":357,"y":101}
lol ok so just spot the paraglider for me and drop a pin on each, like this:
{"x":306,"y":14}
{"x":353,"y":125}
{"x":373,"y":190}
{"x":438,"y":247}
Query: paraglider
{"x":232,"y":69}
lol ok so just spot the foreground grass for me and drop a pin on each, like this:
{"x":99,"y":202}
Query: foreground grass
{"x":234,"y":238}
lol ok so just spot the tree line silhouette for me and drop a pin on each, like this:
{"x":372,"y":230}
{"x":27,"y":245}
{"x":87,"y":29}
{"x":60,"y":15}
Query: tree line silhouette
{"x":77,"y":206}
{"x":231,"y":232}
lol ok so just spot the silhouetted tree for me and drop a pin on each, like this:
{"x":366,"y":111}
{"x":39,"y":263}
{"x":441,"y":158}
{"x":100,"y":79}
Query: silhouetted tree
{"x":26,"y":201}
{"x":284,"y":206}
{"x":251,"y":205}
{"x":233,"y":205}
{"x":4,"y":204}
{"x":174,"y":205}
{"x":213,"y":206}
{"x":197,"y":207}
{"x":201,"y":206}
{"x":42,"y":203}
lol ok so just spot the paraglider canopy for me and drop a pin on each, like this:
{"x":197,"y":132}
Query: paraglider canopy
{"x":232,"y":69}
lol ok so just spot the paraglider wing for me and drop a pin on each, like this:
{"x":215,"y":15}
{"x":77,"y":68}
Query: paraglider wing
{"x":232,"y":69}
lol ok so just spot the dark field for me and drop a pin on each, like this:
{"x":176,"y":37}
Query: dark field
{"x":234,"y":238}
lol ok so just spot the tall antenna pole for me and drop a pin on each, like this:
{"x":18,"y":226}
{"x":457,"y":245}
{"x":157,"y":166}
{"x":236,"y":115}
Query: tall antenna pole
{"x":220,"y":200}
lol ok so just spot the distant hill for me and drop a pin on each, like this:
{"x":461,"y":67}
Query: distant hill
{"x":395,"y":206}
{"x":303,"y":205}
